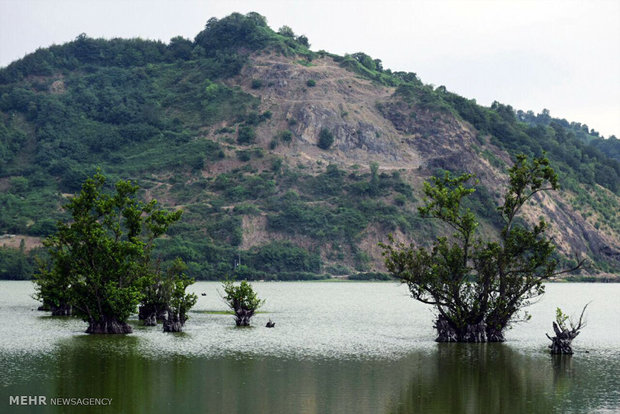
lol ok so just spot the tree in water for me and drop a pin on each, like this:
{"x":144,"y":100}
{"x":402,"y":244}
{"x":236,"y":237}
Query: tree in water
{"x":52,"y":285}
{"x":561,"y":342}
{"x":101,"y":257}
{"x":156,"y":297}
{"x":154,"y":302}
{"x":179,"y":302}
{"x":242,"y":300}
{"x":478,"y":287}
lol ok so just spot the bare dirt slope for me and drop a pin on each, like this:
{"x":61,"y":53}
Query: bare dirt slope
{"x":371,"y":124}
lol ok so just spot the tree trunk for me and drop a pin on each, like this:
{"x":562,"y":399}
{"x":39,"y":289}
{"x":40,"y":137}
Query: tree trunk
{"x":495,"y":335}
{"x":150,"y":320}
{"x":108,"y":326}
{"x":445,"y":332}
{"x":242,"y":316}
{"x":173,"y":326}
{"x":161,"y":315}
{"x":561,"y":342}
{"x":495,"y":327}
{"x":148,"y":315}
{"x":62,"y":310}
{"x":174,"y":322}
{"x":476,"y":333}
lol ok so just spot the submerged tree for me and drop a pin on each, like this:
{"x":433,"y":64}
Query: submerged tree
{"x":154,"y":303}
{"x":156,"y":297}
{"x":242,"y":300}
{"x":478,"y":287}
{"x":101,"y":257}
{"x":561,"y":342}
{"x":179,"y":302}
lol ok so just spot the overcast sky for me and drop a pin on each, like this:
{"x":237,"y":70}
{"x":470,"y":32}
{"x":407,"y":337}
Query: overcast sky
{"x":560,"y":55}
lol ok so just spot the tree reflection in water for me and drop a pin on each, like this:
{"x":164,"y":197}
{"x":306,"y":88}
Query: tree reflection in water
{"x":436,"y":378}
{"x":488,"y":378}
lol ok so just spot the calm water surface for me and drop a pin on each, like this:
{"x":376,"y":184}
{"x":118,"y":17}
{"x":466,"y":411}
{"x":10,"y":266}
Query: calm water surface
{"x":336,"y":348}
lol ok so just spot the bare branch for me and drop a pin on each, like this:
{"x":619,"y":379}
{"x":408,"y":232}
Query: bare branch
{"x":577,"y":267}
{"x":581,"y":324}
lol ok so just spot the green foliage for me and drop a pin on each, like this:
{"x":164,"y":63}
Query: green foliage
{"x":247,"y":32}
{"x":609,"y":147}
{"x":15,"y":264}
{"x":338,"y":269}
{"x":326,"y":139}
{"x":164,"y":294}
{"x":232,"y":32}
{"x":370,"y":276}
{"x":286,"y":31}
{"x":52,"y":285}
{"x":400,"y":200}
{"x":130,"y":116}
{"x":311,"y":83}
{"x":365,"y":60}
{"x":560,"y":318}
{"x":350,"y":214}
{"x":316,"y":221}
{"x":282,"y":257}
{"x":246,"y":135}
{"x":568,"y":146}
{"x":246,"y":208}
{"x":209,"y":237}
{"x":101,"y":258}
{"x":423,"y":96}
{"x":285,"y":136}
{"x":367,"y":67}
{"x":247,"y":155}
{"x":241,"y":295}
{"x":180,"y":302}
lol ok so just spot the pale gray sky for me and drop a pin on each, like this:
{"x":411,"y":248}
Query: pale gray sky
{"x":561,"y":55}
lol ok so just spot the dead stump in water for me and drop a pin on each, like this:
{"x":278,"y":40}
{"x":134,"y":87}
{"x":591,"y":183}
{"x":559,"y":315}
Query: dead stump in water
{"x":562,"y":341}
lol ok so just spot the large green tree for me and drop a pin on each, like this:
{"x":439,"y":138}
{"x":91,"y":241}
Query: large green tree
{"x":479,"y":286}
{"x":100,"y":259}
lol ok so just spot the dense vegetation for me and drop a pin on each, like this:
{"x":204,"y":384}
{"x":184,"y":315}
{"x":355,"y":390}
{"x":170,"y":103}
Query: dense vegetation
{"x":286,"y":198}
{"x":141,"y":109}
{"x":16,"y":263}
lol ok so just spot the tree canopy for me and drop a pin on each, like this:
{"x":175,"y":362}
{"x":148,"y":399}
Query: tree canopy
{"x":242,"y":300}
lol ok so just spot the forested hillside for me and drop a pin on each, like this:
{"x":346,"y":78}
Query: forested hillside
{"x":288,"y":163}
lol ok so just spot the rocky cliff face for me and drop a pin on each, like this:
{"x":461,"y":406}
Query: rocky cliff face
{"x":372,"y":123}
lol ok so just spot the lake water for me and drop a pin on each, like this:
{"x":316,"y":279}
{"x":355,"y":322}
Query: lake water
{"x":336,"y":348}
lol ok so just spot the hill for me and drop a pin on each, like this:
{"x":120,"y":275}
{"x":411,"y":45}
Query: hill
{"x":288,"y":163}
